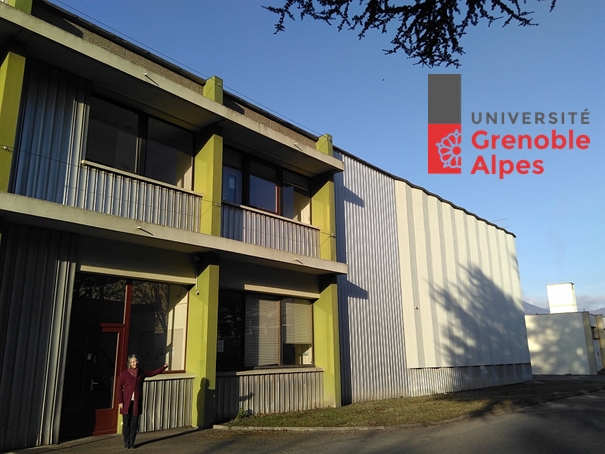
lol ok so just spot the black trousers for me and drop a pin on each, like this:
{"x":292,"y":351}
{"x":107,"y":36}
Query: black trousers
{"x":130,"y":426}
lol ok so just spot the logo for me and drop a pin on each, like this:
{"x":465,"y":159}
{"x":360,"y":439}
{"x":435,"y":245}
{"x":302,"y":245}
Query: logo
{"x":445,"y":123}
{"x":519,"y":145}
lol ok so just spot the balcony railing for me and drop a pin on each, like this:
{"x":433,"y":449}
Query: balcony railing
{"x":106,"y":190}
{"x":111,"y":192}
{"x":263,"y":229}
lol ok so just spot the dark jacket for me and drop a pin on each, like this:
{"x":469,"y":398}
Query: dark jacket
{"x":129,"y":384}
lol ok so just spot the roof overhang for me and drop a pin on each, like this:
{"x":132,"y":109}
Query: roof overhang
{"x":152,"y":91}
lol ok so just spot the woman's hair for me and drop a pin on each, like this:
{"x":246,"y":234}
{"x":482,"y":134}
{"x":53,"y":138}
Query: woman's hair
{"x":129,"y":358}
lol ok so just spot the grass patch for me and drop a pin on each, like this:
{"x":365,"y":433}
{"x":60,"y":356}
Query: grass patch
{"x":426,"y":409}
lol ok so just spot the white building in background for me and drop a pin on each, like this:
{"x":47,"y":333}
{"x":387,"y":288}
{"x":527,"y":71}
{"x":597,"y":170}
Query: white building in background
{"x":565,"y":341}
{"x":561,"y":298}
{"x":562,"y":344}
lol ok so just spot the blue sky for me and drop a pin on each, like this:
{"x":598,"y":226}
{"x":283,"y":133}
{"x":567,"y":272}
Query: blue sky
{"x":375,"y":107}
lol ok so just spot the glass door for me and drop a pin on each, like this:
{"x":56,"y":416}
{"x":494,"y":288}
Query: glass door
{"x":95,"y":357}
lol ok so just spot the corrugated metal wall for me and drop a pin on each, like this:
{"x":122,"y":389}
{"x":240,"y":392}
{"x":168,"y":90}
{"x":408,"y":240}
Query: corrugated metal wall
{"x":270,"y":391}
{"x":50,"y":144}
{"x":389,"y":271}
{"x":462,"y":303}
{"x":120,"y":195}
{"x":36,"y":281}
{"x":371,"y":322}
{"x":50,"y":149}
{"x":167,"y":403}
{"x":252,"y":227}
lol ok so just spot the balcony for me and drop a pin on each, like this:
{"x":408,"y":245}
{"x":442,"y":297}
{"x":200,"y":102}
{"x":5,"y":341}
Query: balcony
{"x":256,"y":227}
{"x":105,"y":190}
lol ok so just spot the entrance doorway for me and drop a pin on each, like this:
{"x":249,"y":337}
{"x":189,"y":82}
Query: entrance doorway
{"x":96,"y":354}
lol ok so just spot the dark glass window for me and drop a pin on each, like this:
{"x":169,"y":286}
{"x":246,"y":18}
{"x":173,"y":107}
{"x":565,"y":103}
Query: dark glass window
{"x":230,"y":345}
{"x":263,"y":331}
{"x":112,"y":135}
{"x":158,"y":324}
{"x":135,"y":142}
{"x":168,"y":153}
{"x":261,"y":185}
{"x":232,"y":185}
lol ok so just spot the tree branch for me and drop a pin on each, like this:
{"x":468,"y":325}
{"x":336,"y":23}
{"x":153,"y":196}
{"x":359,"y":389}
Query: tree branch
{"x":429,"y":30}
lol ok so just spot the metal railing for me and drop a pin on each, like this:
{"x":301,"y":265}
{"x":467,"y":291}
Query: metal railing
{"x":264,"y":229}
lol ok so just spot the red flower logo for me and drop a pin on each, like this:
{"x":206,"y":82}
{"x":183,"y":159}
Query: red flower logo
{"x":450,"y":150}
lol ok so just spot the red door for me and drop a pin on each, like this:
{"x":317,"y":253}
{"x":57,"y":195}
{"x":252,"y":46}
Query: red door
{"x":96,"y":354}
{"x":103,"y":379}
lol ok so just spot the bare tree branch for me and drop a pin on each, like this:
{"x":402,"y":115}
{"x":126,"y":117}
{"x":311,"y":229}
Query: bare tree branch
{"x":429,"y":31}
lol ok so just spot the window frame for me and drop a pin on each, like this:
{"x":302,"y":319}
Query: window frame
{"x":240,"y":365}
{"x":141,"y":136}
{"x":244,"y":168}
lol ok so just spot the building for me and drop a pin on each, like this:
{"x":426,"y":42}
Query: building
{"x":566,"y":343}
{"x":144,"y":209}
{"x":561,"y":298}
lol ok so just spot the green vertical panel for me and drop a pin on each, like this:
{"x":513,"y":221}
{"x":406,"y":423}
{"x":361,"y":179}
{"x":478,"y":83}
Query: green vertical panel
{"x":323,"y":215}
{"x":327,"y":348}
{"x":23,"y":5}
{"x":213,"y":89}
{"x":11,"y":83}
{"x":208,"y":173}
{"x":201,"y":341}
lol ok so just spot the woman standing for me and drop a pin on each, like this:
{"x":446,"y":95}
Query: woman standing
{"x":130,"y":397}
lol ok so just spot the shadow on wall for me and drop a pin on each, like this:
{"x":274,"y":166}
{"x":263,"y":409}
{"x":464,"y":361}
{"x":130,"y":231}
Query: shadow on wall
{"x":558,"y":344}
{"x":477,"y":322}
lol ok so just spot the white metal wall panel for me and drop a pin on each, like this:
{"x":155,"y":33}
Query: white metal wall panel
{"x":428,"y":283}
{"x":370,"y":315}
{"x":37,"y":269}
{"x":460,"y":308}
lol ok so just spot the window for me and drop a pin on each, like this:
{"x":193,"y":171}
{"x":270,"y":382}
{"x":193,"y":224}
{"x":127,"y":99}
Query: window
{"x":158,"y":321}
{"x":135,"y":142}
{"x":158,"y":315}
{"x":261,"y":185}
{"x":263,"y":331}
{"x":262,"y":191}
{"x":296,"y":200}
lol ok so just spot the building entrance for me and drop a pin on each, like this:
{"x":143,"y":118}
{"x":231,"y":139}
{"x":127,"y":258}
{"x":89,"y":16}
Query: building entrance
{"x":96,"y":354}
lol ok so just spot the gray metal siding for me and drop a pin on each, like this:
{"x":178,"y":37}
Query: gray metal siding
{"x":37,"y":272}
{"x":249,"y":226}
{"x":119,"y":195}
{"x":371,"y":306}
{"x":167,"y":403}
{"x":370,"y":314}
{"x":50,"y":150}
{"x":271,"y":391}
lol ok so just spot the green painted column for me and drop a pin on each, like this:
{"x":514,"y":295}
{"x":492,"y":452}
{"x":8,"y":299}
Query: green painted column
{"x":213,"y":89}
{"x":325,"y":309}
{"x":12,"y":70}
{"x":327,"y":346}
{"x":323,"y":206}
{"x":324,"y":144}
{"x":201,"y":340}
{"x":208,"y":178}
{"x":23,"y":5}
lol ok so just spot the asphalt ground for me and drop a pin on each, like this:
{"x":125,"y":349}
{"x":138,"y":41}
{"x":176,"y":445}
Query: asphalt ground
{"x":581,"y":419}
